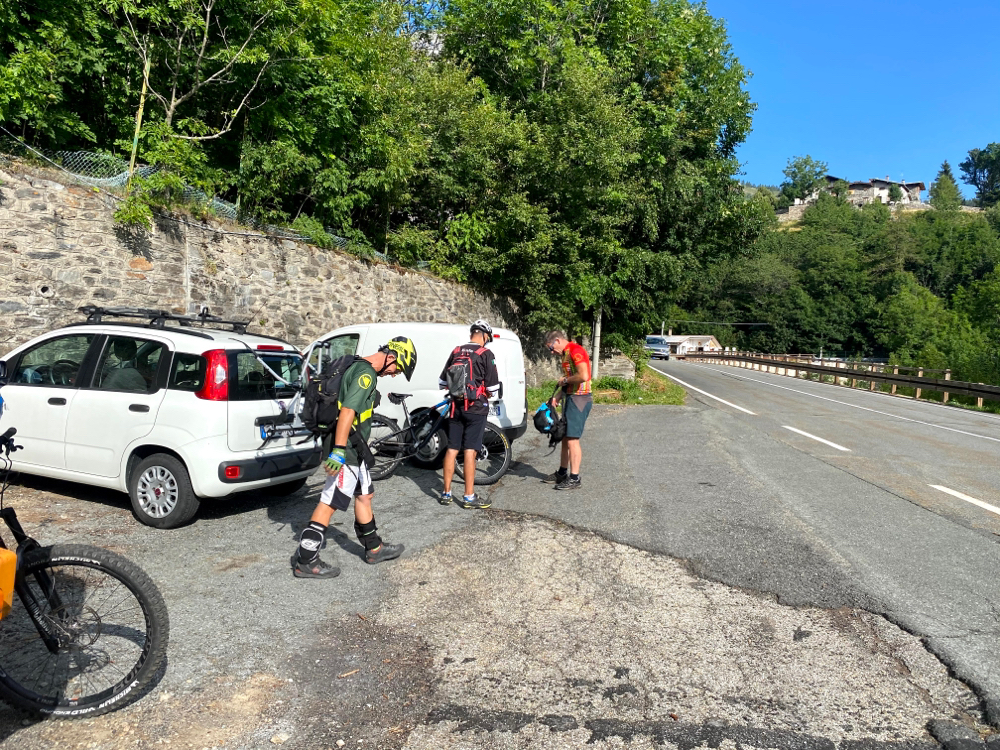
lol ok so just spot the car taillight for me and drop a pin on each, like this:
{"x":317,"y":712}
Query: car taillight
{"x":233,"y":472}
{"x":216,"y":386}
{"x":271,"y":347}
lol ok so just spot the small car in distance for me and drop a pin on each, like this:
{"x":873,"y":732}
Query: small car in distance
{"x":657,"y":347}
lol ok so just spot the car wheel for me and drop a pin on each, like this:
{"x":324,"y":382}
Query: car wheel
{"x":285,"y":488}
{"x":161,"y":492}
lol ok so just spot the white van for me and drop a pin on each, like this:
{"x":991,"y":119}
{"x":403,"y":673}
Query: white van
{"x":434,"y":343}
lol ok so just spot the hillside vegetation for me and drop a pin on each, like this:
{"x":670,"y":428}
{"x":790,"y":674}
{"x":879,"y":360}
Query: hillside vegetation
{"x":577,"y":157}
{"x":921,"y":288}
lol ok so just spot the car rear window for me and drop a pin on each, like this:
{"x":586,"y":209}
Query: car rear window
{"x":249,"y":381}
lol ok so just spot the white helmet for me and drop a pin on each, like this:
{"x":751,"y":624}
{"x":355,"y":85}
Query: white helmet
{"x":482,"y":325}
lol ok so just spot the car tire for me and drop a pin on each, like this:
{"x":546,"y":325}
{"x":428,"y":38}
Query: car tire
{"x":161,"y":492}
{"x":285,"y":488}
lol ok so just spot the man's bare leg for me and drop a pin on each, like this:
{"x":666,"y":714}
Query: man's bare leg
{"x":470,"y":472}
{"x":575,"y":454}
{"x":449,"y":467}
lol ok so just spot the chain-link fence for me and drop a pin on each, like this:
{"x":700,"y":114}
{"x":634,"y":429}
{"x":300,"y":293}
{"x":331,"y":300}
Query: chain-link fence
{"x":110,"y":173}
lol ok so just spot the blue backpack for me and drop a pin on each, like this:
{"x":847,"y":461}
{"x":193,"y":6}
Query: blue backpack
{"x":549,"y":421}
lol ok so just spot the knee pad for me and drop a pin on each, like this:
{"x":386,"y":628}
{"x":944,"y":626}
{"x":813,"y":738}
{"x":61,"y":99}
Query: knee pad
{"x":368,"y":534}
{"x":311,"y":541}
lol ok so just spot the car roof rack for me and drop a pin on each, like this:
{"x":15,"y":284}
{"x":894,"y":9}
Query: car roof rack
{"x":159,"y":318}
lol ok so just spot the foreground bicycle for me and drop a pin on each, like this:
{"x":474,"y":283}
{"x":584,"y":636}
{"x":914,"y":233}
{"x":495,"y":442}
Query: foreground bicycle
{"x":423,"y":438}
{"x":92,"y":628}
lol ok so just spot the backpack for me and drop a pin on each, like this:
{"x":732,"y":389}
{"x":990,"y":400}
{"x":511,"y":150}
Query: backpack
{"x":549,"y":421}
{"x":321,"y":401}
{"x":461,"y":377}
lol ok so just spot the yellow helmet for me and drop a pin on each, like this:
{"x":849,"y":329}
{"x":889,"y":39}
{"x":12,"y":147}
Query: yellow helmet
{"x":406,"y":354}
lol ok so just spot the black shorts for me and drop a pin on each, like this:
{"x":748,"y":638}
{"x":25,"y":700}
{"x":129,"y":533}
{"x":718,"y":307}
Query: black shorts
{"x":465,"y":431}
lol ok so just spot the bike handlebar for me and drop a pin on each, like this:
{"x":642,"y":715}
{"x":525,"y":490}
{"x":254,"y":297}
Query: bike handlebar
{"x":7,"y":441}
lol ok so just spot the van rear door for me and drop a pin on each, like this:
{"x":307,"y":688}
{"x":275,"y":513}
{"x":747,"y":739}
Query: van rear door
{"x":254,"y":393}
{"x":510,"y":365}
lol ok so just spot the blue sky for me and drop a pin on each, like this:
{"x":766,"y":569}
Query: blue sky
{"x":873,"y":88}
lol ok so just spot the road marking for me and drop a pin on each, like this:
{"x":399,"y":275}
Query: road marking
{"x":686,"y":385}
{"x":853,"y":406}
{"x":961,"y":496}
{"x":827,"y":442}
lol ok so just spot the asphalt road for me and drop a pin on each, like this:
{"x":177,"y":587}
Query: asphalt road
{"x":874,"y":510}
{"x":717,"y":581}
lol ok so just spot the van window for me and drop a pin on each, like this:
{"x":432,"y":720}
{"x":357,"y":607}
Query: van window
{"x":338,"y":346}
{"x":249,"y":381}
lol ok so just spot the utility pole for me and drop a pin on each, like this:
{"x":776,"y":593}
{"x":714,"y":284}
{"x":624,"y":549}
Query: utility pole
{"x":596,"y":357}
{"x":138,"y":124}
{"x":662,"y":323}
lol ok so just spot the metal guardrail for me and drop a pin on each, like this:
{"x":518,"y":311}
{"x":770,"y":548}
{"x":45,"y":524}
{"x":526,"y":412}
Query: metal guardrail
{"x":793,"y":365}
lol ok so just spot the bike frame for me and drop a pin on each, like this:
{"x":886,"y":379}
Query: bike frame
{"x":412,"y":445}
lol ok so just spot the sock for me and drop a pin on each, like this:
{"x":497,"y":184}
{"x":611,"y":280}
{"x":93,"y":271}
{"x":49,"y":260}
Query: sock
{"x":574,"y":477}
{"x":563,"y":471}
{"x":470,"y":497}
{"x":310,"y":541}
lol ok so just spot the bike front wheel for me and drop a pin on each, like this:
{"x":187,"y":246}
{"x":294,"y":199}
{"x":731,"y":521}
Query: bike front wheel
{"x":106,"y":625}
{"x":494,"y":457}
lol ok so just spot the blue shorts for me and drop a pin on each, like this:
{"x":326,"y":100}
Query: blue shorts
{"x":577,"y":411}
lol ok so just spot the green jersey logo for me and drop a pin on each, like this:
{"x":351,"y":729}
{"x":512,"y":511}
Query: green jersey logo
{"x":365,"y":381}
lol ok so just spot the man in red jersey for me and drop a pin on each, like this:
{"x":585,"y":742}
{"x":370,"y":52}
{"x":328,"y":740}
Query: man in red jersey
{"x":575,"y":388}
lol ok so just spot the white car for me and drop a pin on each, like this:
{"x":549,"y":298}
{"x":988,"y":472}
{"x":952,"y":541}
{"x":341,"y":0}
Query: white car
{"x":434,"y":342}
{"x":170,"y":409}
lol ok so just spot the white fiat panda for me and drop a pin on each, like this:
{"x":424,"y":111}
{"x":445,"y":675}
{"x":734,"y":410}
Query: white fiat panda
{"x":434,"y":343}
{"x":170,"y":409}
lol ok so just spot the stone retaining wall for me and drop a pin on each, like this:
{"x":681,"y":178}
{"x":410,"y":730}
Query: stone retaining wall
{"x":60,"y":250}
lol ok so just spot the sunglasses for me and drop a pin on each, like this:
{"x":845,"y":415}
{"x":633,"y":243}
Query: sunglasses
{"x":552,"y":349}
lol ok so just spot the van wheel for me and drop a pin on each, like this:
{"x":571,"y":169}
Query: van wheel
{"x":161,"y":492}
{"x":431,"y":456}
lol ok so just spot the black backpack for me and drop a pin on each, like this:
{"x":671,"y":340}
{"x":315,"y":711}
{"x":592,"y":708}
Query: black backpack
{"x":461,"y":377}
{"x":321,"y":401}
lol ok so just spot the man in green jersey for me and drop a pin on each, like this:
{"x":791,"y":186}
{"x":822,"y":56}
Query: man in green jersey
{"x":347,"y":472}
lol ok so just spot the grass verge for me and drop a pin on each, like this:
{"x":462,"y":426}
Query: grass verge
{"x":649,"y":388}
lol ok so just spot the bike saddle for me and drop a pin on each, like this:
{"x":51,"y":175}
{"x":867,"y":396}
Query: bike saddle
{"x":398,"y":398}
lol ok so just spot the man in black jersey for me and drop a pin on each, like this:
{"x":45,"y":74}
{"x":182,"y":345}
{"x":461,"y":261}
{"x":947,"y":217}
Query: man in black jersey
{"x":474,"y":364}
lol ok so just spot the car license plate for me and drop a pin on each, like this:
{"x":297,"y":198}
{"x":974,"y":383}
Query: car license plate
{"x":495,"y":410}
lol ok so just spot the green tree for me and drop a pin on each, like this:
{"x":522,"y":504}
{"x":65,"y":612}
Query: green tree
{"x":945,"y":195}
{"x":803,"y":176}
{"x":982,"y":170}
{"x":895,"y":193}
{"x":632,"y":113}
{"x":840,"y":188}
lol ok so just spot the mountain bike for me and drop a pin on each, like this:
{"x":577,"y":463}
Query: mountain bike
{"x":92,"y":628}
{"x":423,"y":438}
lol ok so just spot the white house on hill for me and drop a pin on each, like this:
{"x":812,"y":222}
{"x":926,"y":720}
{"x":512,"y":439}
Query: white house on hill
{"x":874,"y":190}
